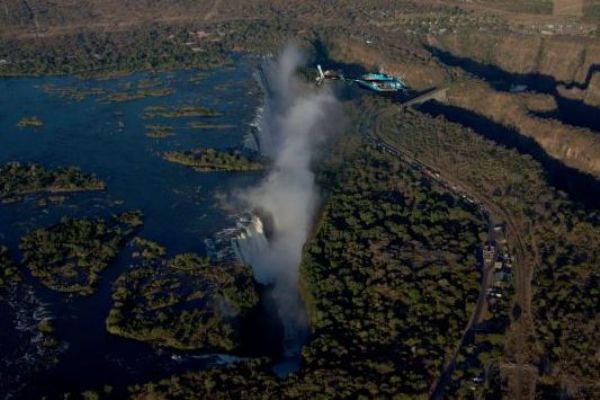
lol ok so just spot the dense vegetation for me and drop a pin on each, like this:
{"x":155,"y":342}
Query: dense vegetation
{"x":244,"y":380}
{"x":214,"y":160}
{"x":477,"y":373}
{"x":143,"y":47}
{"x":391,"y":277}
{"x":191,"y":34}
{"x":383,"y":280}
{"x":9,"y":273}
{"x":568,"y":327}
{"x":19,"y":179}
{"x":557,"y":238}
{"x":147,"y":249}
{"x":69,"y":256}
{"x":185,"y":302}
{"x":393,"y":258}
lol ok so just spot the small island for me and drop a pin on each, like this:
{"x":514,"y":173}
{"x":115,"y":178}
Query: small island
{"x":147,"y":249}
{"x":179,"y":112}
{"x":18,"y":179}
{"x":9,"y":273}
{"x":119,"y":97}
{"x":48,"y":333}
{"x":213,"y":160}
{"x":159,"y":131}
{"x":30,"y":122}
{"x":72,"y":93}
{"x":69,"y":256}
{"x":185,"y":302}
{"x":202,"y":125}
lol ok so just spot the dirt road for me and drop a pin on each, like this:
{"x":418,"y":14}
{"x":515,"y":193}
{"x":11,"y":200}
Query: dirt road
{"x":522,"y":327}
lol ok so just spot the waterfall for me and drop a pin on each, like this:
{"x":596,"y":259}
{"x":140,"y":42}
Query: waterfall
{"x":289,"y":129}
{"x":250,"y":244}
{"x":291,"y":126}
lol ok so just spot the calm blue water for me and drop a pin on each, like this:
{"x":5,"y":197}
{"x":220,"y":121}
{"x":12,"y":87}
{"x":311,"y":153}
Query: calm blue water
{"x":179,"y":205}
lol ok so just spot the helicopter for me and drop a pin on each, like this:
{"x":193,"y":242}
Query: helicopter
{"x":377,"y":82}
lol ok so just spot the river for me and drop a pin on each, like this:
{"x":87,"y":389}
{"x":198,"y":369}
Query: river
{"x":179,"y":205}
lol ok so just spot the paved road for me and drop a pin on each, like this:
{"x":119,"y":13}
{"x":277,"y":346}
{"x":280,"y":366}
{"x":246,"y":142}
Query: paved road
{"x":476,"y":316}
{"x":486,"y":280}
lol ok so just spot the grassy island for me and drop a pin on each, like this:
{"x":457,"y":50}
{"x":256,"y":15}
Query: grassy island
{"x":19,"y":179}
{"x":69,"y":256}
{"x":30,"y":122}
{"x":184,"y":302}
{"x":147,"y":249}
{"x":120,"y":97}
{"x":9,"y":273}
{"x":213,"y":160}
{"x":72,"y":93}
{"x":159,"y":131}
{"x":179,"y":112}
{"x":202,"y":125}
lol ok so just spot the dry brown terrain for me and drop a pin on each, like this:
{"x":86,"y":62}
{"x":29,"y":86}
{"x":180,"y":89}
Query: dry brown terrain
{"x":568,"y":7}
{"x":566,"y":59}
{"x":577,"y":147}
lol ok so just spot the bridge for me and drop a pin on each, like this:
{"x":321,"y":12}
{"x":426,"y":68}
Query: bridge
{"x":439,"y":94}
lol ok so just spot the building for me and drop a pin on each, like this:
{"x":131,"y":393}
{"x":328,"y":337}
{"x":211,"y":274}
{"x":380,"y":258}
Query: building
{"x":488,"y":253}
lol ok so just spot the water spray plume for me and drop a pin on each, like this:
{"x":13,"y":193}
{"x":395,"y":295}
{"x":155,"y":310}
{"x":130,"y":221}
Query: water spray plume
{"x":296,"y":122}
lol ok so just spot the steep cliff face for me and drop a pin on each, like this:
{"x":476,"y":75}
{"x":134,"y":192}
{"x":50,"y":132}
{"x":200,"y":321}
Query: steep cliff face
{"x":404,"y":57}
{"x":555,"y":68}
{"x":572,"y":62}
{"x":589,"y":91}
{"x":576,"y":147}
{"x":565,"y":66}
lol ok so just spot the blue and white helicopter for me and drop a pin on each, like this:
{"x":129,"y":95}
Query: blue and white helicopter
{"x":376,"y":82}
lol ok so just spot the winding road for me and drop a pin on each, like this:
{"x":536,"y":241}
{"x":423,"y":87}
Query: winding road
{"x":437,"y":390}
{"x":523,"y":272}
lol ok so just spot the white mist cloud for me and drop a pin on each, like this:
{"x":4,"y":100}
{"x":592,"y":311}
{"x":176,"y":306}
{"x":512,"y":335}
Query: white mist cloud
{"x":295,"y":123}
